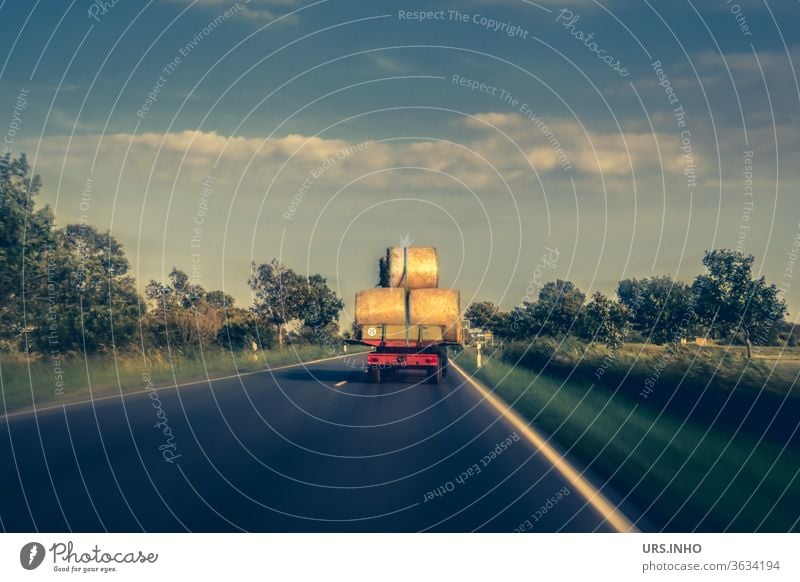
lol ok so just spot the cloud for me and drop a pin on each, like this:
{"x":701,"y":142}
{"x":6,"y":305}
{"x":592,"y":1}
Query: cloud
{"x":387,"y":64}
{"x":228,"y":3}
{"x":558,"y":146}
{"x":748,"y":65}
{"x":762,"y":82}
{"x":543,"y":3}
{"x":149,"y":187}
{"x":257,"y":10}
{"x":551,"y":143}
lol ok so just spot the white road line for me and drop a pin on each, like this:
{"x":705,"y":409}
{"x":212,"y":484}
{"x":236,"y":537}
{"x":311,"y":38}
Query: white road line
{"x":597,"y":500}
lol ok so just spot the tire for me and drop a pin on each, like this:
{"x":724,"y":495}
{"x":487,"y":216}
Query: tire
{"x":374,"y":375}
{"x":436,"y":375}
{"x":443,"y":361}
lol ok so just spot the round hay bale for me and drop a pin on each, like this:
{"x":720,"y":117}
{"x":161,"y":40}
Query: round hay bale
{"x":381,"y":306}
{"x":436,"y":307}
{"x":453,"y":333}
{"x":422,"y":270}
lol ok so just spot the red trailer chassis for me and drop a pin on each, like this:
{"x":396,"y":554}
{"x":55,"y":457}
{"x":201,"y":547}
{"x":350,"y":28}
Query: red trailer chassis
{"x":391,"y":355}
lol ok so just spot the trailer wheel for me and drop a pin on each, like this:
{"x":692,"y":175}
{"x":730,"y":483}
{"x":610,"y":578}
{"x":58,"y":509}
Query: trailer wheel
{"x":443,"y":361}
{"x":374,"y":375}
{"x":436,"y":374}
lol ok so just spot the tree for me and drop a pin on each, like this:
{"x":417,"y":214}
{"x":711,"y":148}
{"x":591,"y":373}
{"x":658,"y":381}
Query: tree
{"x":603,"y":320}
{"x":731,"y":302}
{"x":787,"y":334}
{"x":185,"y":315}
{"x":199,"y":325}
{"x":319,"y":312}
{"x":278,"y":294}
{"x":482,"y":314}
{"x":179,"y":293}
{"x":320,"y":305}
{"x":501,"y":325}
{"x":659,"y":307}
{"x":86,"y":301}
{"x":326,"y":335}
{"x":558,"y":307}
{"x":521,"y":323}
{"x":27,"y":239}
{"x":219,"y":299}
{"x":241,"y":329}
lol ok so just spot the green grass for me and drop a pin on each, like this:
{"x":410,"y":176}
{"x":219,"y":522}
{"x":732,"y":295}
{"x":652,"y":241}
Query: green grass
{"x":657,"y":458}
{"x":722,"y":369}
{"x":29,"y":380}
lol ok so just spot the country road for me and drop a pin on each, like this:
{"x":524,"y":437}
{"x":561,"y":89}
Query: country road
{"x":305,"y":448}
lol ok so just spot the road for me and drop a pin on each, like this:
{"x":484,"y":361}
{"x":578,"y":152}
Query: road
{"x":307,"y":448}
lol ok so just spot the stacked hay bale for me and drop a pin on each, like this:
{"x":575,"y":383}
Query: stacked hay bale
{"x":418,"y":269}
{"x":381,"y":306}
{"x":409,"y":295}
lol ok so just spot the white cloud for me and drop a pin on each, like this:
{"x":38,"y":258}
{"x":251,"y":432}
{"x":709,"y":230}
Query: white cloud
{"x":590,"y":152}
{"x":259,"y":10}
{"x":388,"y":64}
{"x":747,"y":65}
{"x":190,"y":155}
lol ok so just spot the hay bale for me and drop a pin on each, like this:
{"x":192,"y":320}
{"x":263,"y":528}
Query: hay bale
{"x":436,"y":307}
{"x":454,"y":333}
{"x":378,"y":306}
{"x":422,"y":271}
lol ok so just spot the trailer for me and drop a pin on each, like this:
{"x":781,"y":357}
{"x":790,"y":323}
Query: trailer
{"x":399,"y":347}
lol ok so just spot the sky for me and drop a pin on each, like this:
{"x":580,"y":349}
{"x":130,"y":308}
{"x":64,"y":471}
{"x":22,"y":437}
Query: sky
{"x":528,"y":141}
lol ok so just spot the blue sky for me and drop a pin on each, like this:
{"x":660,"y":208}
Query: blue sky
{"x":555,"y":150}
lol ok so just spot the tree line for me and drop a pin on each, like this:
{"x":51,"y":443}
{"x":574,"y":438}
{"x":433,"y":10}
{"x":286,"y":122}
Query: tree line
{"x":727,"y":302}
{"x":68,"y":289}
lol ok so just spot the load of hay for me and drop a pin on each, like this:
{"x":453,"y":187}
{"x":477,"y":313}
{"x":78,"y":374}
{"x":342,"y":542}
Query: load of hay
{"x":419,"y":269}
{"x":409,"y":295}
{"x":436,"y":307}
{"x":381,"y":306}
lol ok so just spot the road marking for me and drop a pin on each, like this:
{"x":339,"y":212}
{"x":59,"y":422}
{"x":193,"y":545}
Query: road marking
{"x":50,"y":407}
{"x":342,"y":383}
{"x":597,"y":500}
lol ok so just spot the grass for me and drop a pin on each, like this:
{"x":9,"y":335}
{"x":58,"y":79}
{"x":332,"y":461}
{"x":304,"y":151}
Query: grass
{"x":690,"y":474}
{"x":709,"y":384}
{"x":724,"y":369}
{"x":28,"y":380}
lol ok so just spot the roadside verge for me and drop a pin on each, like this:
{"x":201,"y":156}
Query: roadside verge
{"x":104,"y":393}
{"x":612,"y":514}
{"x":681,"y":472}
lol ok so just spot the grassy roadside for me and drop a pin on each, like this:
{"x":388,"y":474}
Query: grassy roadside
{"x":695,"y":477}
{"x":716,"y":384}
{"x":23,"y":381}
{"x":723,"y":368}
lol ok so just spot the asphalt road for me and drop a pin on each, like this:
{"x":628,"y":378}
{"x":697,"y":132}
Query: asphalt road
{"x":302,"y":449}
